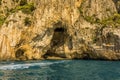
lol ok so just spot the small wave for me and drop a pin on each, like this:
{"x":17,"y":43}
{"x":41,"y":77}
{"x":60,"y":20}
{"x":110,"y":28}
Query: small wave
{"x":14,"y":66}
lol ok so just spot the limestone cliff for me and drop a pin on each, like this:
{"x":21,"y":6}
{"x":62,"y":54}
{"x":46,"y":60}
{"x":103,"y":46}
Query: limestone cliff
{"x":59,"y":29}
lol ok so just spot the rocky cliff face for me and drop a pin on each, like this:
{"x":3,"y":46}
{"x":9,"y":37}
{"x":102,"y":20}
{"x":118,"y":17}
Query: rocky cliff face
{"x":59,"y":29}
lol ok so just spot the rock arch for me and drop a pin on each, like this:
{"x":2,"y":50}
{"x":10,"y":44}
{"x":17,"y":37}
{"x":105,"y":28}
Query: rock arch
{"x":59,"y":38}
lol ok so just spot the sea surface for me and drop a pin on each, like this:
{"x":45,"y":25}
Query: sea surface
{"x":60,"y":70}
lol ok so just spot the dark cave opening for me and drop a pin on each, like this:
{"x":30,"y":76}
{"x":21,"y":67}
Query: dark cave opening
{"x":19,"y":53}
{"x":60,"y":29}
{"x":58,"y":39}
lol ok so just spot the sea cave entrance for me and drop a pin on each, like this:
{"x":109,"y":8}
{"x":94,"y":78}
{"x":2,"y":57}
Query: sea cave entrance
{"x":59,"y":38}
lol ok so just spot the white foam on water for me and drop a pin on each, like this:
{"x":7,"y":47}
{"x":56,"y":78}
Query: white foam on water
{"x":14,"y":66}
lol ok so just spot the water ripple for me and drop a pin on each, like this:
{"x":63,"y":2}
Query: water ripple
{"x":13,"y":66}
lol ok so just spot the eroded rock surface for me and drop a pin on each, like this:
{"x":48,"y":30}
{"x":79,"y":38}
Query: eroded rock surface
{"x":59,"y":29}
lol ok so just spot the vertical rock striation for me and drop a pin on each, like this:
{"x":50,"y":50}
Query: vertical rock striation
{"x":59,"y":29}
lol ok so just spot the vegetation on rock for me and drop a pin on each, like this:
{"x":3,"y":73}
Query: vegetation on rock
{"x":26,"y":8}
{"x":0,"y":2}
{"x":113,"y":20}
{"x":2,"y":19}
{"x":23,"y":2}
{"x":27,"y":21}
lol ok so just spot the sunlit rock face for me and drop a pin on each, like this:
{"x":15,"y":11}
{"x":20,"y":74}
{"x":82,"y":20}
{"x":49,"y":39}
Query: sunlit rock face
{"x":58,"y":29}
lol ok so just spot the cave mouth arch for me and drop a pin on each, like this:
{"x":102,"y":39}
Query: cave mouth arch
{"x":59,"y":38}
{"x":60,"y":29}
{"x":19,"y":53}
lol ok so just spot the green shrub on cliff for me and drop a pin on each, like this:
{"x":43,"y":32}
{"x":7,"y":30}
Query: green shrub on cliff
{"x":0,"y":2}
{"x":113,"y":20}
{"x":27,"y":21}
{"x":91,"y":19}
{"x":116,"y":18}
{"x":27,"y":8}
{"x":2,"y":19}
{"x":23,"y":2}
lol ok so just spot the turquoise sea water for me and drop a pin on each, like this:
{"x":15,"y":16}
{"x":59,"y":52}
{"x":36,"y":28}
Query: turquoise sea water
{"x":60,"y":70}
